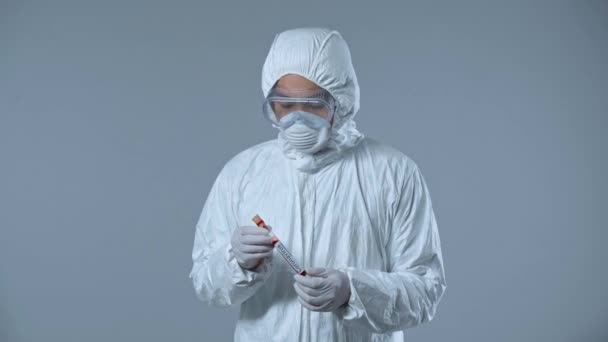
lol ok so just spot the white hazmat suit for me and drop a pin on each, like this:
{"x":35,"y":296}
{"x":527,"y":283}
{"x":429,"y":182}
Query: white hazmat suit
{"x":359,"y":206}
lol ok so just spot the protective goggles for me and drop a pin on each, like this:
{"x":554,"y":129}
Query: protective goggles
{"x":281,"y":102}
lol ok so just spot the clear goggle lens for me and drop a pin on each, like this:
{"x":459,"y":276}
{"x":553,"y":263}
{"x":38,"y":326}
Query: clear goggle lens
{"x":278,"y":105}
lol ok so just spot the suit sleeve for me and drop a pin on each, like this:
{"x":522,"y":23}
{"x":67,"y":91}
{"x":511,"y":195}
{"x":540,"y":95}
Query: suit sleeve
{"x":409,"y":292}
{"x":217,"y":278}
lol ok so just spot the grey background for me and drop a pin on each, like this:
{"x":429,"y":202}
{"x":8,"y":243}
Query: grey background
{"x":116,"y":116}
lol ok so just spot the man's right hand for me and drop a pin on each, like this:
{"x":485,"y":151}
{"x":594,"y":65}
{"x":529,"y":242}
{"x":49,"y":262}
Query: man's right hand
{"x":250,"y":245}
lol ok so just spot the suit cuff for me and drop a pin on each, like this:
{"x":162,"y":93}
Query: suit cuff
{"x":353,"y":309}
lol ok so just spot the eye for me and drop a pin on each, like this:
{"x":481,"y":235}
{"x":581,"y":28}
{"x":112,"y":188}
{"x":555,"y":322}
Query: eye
{"x":286,"y":105}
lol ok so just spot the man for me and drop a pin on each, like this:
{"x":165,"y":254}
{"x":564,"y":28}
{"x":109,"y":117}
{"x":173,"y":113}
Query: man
{"x":355,"y":214}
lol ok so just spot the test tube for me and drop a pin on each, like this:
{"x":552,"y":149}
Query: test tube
{"x":280,"y":246}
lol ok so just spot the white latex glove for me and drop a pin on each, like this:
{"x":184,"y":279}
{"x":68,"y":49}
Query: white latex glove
{"x":250,"y":245}
{"x":322,"y":289}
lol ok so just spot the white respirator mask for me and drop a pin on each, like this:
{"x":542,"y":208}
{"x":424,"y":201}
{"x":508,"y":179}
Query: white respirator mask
{"x":305,"y":132}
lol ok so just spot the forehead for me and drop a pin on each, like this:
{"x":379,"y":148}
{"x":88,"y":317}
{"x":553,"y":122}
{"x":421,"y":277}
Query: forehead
{"x":296,"y":85}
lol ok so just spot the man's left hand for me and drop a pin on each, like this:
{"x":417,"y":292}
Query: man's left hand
{"x":322,"y":289}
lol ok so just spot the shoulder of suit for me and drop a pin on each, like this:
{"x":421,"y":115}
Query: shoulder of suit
{"x":383,"y":154}
{"x":256,"y":155}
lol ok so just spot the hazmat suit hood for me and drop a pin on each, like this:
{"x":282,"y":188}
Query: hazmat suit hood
{"x":323,"y":57}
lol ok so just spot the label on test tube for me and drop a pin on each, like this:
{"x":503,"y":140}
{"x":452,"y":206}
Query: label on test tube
{"x":280,"y":246}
